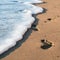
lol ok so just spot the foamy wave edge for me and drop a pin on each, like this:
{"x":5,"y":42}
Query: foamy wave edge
{"x":12,"y":41}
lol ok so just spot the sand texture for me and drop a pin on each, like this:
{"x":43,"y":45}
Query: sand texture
{"x":48,"y":25}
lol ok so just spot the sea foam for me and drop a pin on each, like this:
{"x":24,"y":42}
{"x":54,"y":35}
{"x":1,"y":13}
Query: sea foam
{"x":15,"y":18}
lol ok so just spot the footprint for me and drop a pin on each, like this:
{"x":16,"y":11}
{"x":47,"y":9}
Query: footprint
{"x":46,"y":44}
{"x":49,"y":19}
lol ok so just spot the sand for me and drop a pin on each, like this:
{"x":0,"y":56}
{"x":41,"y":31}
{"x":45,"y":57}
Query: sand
{"x":30,"y":47}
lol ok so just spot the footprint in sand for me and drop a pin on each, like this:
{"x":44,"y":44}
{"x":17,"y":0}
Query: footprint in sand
{"x":46,"y":44}
{"x":49,"y":19}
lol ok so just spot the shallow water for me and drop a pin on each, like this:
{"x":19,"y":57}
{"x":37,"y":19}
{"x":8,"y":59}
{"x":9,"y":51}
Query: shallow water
{"x":15,"y":19}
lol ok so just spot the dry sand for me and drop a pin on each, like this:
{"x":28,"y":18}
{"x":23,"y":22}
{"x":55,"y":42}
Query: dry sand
{"x":30,"y":49}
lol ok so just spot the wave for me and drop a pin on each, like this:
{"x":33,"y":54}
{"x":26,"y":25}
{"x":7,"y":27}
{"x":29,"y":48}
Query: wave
{"x":15,"y":19}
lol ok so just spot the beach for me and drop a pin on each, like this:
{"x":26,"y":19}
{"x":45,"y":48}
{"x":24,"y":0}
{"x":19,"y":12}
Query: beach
{"x":48,"y":25}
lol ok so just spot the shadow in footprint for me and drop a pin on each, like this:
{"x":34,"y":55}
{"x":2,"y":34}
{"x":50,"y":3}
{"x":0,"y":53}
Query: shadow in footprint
{"x":46,"y":46}
{"x":49,"y":19}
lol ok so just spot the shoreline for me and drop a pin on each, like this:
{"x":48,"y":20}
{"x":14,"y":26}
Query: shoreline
{"x":50,"y":30}
{"x":18,"y":28}
{"x":25,"y":36}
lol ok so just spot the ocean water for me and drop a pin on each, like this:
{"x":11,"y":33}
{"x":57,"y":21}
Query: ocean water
{"x":15,"y":19}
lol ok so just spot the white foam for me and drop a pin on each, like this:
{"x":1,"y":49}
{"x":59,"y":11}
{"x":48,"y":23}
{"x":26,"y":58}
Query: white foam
{"x":15,"y":18}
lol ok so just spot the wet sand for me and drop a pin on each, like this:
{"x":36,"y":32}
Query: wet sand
{"x":48,"y":28}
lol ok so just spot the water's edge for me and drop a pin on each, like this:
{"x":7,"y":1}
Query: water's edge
{"x":14,"y":41}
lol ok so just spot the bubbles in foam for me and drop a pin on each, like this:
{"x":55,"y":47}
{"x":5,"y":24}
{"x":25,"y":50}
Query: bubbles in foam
{"x":15,"y":18}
